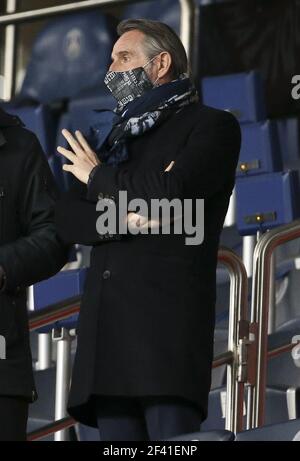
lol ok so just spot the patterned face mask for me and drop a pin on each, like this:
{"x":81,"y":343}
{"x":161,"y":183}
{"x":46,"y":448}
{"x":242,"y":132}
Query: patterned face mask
{"x":127,"y":85}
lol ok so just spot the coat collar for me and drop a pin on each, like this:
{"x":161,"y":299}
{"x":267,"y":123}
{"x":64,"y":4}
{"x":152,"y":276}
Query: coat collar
{"x":7,"y":120}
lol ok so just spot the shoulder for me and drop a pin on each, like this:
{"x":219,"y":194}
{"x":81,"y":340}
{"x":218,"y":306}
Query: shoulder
{"x":209,"y":122}
{"x":14,"y":131}
{"x":21,"y":139}
{"x":20,"y":142}
{"x":207,"y":115}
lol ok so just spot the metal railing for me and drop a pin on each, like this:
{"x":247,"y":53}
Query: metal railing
{"x":237,"y":333}
{"x":49,"y":429}
{"x":262,"y":288}
{"x":54,"y":313}
{"x":12,"y":18}
{"x":48,"y":317}
{"x":237,"y":317}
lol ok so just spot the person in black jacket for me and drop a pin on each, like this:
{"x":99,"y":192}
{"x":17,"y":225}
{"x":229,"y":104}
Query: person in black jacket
{"x":142,"y":369}
{"x":30,"y":251}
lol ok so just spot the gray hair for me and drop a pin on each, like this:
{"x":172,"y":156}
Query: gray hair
{"x":159,"y":37}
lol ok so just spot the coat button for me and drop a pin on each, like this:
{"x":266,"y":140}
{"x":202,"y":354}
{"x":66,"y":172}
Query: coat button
{"x":106,"y":274}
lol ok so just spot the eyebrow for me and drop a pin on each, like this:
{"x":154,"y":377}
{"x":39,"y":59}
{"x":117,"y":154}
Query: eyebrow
{"x":122,"y":53}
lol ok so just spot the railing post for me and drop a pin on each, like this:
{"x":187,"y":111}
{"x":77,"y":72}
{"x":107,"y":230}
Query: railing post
{"x":63,"y":374}
{"x":9,"y":54}
{"x":187,"y":27}
{"x":44,"y":360}
{"x":262,"y":289}
{"x":272,"y":297}
{"x":237,"y":335}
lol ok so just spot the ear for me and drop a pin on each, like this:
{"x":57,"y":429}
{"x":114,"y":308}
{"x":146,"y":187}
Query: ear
{"x":164,"y":64}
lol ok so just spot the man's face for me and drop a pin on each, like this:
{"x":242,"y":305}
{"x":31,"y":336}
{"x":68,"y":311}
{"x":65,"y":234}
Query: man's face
{"x":128,"y":53}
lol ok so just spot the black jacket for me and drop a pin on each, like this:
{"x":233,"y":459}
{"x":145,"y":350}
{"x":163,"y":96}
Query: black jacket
{"x":30,"y":249}
{"x":148,"y":310}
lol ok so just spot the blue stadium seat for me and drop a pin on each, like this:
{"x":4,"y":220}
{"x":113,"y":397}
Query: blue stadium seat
{"x":102,"y":99}
{"x":82,"y":111}
{"x":288,"y":130}
{"x":241,"y":94}
{"x":266,"y":201}
{"x":70,"y":56}
{"x":288,"y":431}
{"x":260,"y":150}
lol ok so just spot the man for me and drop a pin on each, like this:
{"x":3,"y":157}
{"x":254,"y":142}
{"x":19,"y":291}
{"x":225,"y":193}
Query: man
{"x":145,"y":337}
{"x":30,"y":251}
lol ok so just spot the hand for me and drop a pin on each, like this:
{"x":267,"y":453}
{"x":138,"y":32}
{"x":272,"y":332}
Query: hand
{"x":84,"y":159}
{"x":170,"y":166}
{"x":134,"y":220}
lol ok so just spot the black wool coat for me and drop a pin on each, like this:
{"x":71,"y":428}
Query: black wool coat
{"x":148,"y":310}
{"x":30,"y":249}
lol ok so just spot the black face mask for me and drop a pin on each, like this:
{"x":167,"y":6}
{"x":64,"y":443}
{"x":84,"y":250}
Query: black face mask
{"x":125,"y":86}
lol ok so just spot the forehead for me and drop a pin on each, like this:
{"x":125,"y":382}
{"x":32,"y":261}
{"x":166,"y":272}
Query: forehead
{"x":130,"y":41}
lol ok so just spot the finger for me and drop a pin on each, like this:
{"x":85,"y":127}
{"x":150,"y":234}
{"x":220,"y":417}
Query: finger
{"x":83,"y":142}
{"x":68,"y":168}
{"x":72,"y":142}
{"x":67,"y":153}
{"x":170,"y":166}
{"x":75,"y":172}
{"x":86,"y":147}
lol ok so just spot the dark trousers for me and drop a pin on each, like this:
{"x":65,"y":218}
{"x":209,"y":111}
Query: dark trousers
{"x":145,"y":418}
{"x":13,"y":419}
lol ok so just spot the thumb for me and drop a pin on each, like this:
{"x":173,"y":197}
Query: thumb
{"x":170,"y":166}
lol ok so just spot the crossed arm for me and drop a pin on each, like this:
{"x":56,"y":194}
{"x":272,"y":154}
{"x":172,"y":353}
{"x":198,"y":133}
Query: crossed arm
{"x":84,"y":160}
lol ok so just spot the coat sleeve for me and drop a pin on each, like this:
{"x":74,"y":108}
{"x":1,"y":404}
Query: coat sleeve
{"x":204,"y":166}
{"x":38,"y":253}
{"x":75,"y":218}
